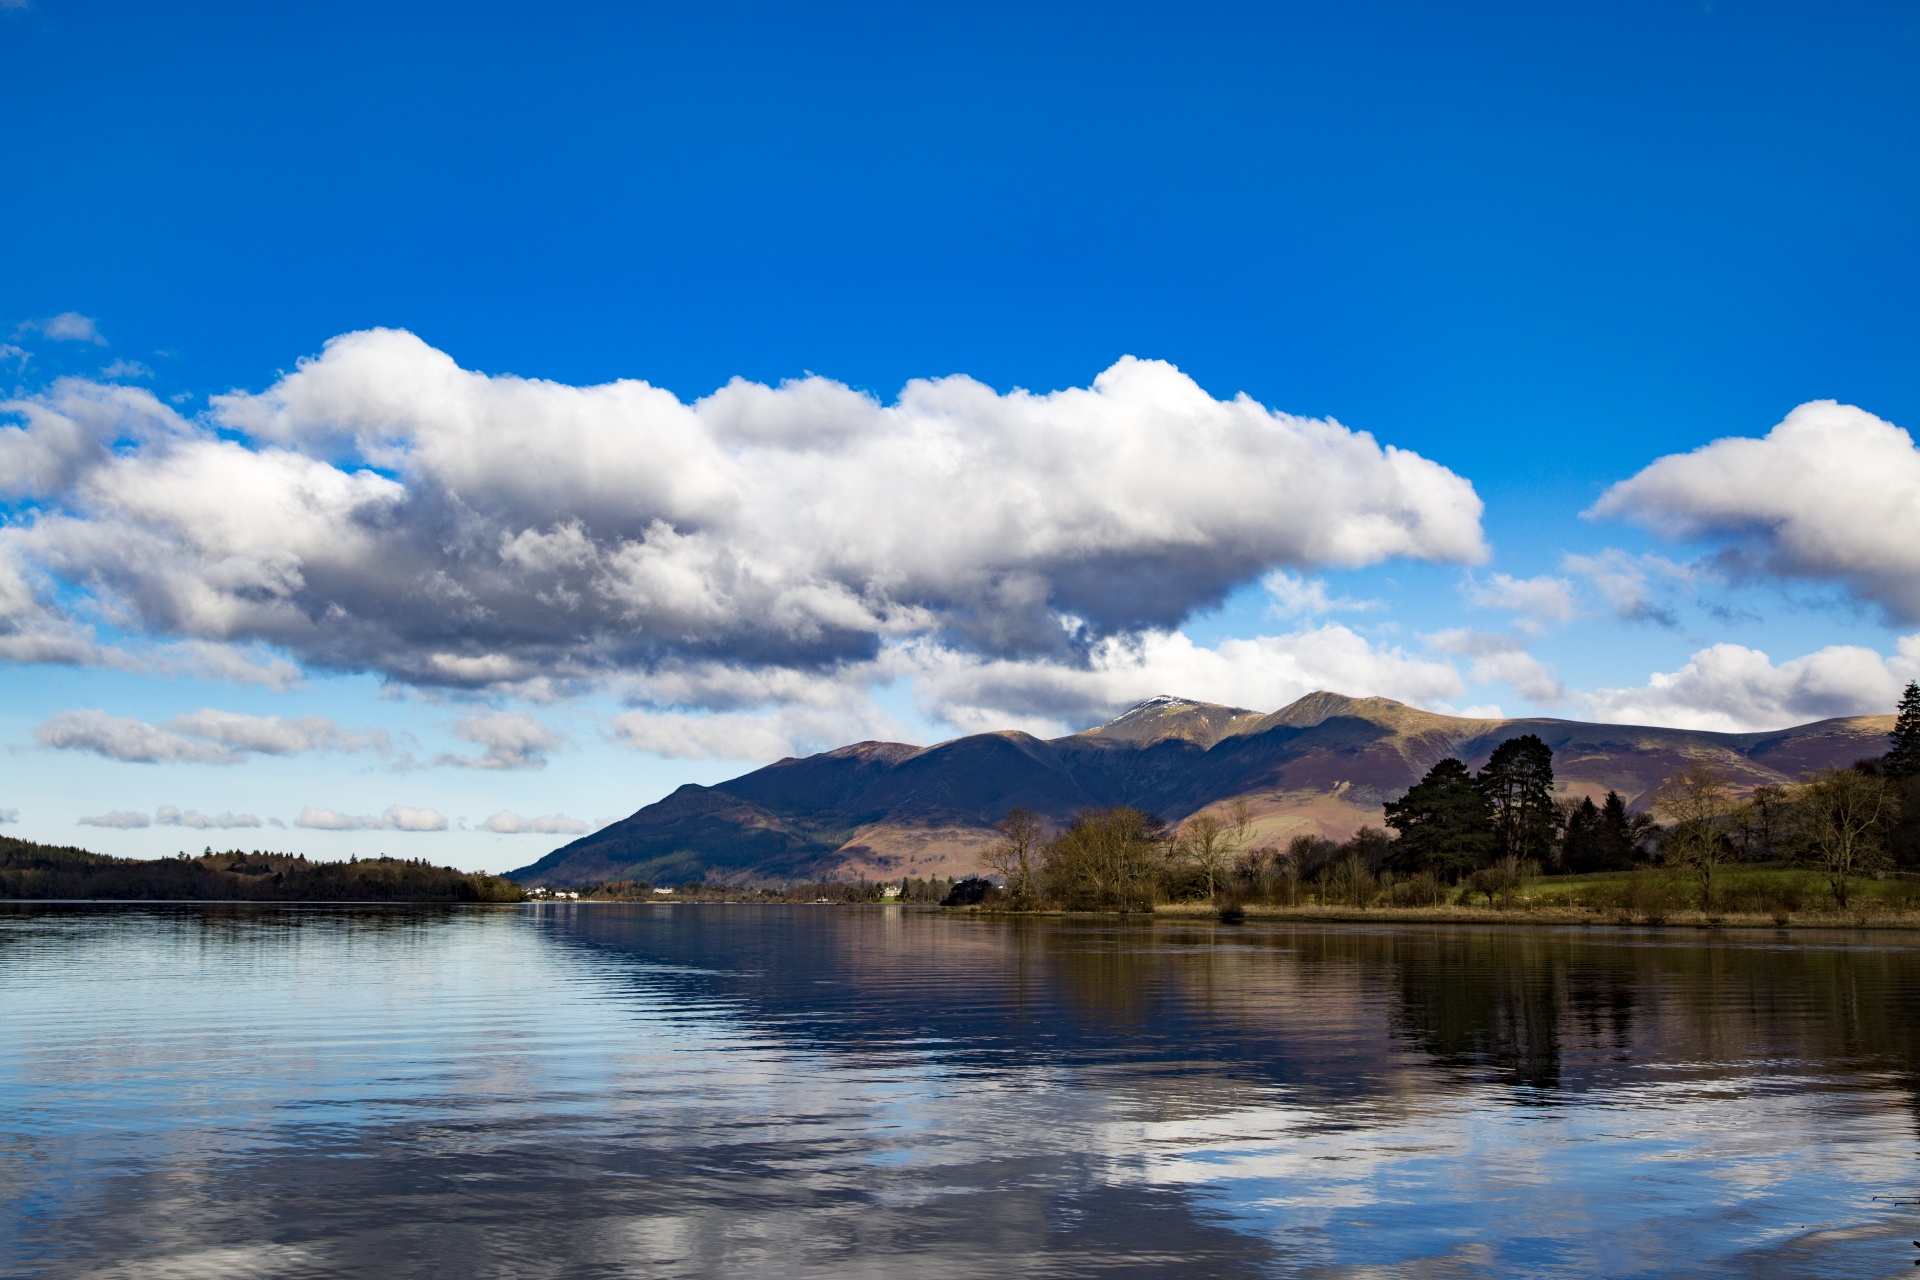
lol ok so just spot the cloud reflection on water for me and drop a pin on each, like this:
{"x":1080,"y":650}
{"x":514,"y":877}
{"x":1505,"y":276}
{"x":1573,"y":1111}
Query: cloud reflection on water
{"x":699,"y":1091}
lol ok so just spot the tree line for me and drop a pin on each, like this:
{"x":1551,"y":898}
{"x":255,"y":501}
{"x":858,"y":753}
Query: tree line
{"x":1458,"y":833}
{"x":37,"y":871}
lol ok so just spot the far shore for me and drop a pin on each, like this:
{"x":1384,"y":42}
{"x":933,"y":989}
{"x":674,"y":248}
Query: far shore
{"x":1555,"y":917}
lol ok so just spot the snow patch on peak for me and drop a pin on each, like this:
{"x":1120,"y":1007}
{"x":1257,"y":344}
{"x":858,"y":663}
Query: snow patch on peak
{"x":1157,"y":700}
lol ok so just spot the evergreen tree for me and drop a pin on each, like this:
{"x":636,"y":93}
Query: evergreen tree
{"x":1444,"y":823}
{"x":1518,"y":785}
{"x":1580,"y":848}
{"x":1617,"y":837}
{"x":1903,"y":759}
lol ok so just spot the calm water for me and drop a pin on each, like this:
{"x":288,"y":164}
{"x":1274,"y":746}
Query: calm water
{"x":665,"y":1091}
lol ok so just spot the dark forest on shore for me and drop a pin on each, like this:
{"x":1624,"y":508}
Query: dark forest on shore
{"x":30,"y":871}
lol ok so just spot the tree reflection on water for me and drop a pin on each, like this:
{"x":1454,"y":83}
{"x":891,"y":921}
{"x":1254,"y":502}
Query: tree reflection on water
{"x":614,"y":1090}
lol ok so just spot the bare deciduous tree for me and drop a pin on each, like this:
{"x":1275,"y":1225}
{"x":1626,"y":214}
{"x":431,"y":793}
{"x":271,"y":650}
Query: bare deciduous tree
{"x":1698,"y":800}
{"x":1109,"y":859}
{"x":1015,"y":858}
{"x":1210,"y":841}
{"x":1841,"y":812}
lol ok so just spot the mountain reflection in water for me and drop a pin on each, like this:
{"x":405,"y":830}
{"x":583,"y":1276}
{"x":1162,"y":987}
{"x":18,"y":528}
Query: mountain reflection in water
{"x":231,"y":1090}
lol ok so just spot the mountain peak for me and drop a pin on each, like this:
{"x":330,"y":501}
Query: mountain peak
{"x":1164,"y":716}
{"x":1323,"y":705}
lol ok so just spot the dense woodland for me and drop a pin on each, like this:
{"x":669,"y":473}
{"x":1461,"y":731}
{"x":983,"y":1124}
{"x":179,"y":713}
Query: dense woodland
{"x":38,"y":871}
{"x":1459,"y":837}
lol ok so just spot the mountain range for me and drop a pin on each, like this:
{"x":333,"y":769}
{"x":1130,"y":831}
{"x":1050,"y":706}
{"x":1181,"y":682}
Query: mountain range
{"x":1324,"y":764}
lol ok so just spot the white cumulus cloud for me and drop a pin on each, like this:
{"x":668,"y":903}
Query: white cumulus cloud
{"x":512,"y":740}
{"x":68,"y":326}
{"x":1831,"y":493}
{"x":397,"y":817}
{"x":200,"y":737}
{"x":1261,"y":672}
{"x":118,"y":819}
{"x":509,"y":823}
{"x":386,"y":510}
{"x":1733,"y":689}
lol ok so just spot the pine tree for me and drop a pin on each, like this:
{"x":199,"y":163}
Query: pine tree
{"x":1617,"y":838}
{"x":1518,"y":784}
{"x":1444,"y":823}
{"x":1580,"y":848}
{"x":1903,"y":759}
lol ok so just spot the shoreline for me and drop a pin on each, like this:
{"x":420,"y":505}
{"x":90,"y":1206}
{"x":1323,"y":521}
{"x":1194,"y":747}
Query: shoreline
{"x":1539,"y":917}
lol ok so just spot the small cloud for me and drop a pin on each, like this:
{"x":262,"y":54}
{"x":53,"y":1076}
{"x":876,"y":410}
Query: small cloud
{"x":402,"y":818}
{"x":126,"y":739}
{"x":1295,"y":596}
{"x":508,"y":823}
{"x":68,"y":326}
{"x":206,"y":736}
{"x":118,"y":819}
{"x":1499,"y":659}
{"x":1630,"y":584}
{"x":1544,"y":598}
{"x":126,"y":369}
{"x":513,"y":740}
{"x":9,"y":815}
{"x":10,"y":352}
{"x":398,"y":817}
{"x":168,"y":816}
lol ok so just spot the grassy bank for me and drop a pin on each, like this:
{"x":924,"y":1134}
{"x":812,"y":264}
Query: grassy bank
{"x":1751,"y":897}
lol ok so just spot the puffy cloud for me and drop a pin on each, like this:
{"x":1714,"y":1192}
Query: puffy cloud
{"x":1501,"y":659}
{"x":9,"y":815}
{"x":201,"y":737}
{"x":509,"y":823}
{"x":68,"y":326}
{"x":397,"y":817}
{"x":390,"y":511}
{"x":1733,"y":689}
{"x":126,"y":369}
{"x":168,"y":816}
{"x":513,"y":740}
{"x":118,"y":820}
{"x":1263,"y":672}
{"x":1545,"y":598}
{"x":125,"y":738}
{"x":1830,"y":493}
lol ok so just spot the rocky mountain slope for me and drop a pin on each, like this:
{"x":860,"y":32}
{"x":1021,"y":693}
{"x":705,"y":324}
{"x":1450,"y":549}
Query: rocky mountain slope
{"x":1324,"y":764}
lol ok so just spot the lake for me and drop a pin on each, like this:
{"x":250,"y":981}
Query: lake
{"x":589,"y":1090}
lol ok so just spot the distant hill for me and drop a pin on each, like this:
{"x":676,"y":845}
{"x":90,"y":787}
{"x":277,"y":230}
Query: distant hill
{"x":1324,"y":764}
{"x":40,"y":871}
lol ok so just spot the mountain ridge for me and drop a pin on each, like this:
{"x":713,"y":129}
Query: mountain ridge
{"x":1324,"y":763}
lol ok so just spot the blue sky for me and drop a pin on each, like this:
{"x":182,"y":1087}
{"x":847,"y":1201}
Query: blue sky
{"x":1538,"y":248}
